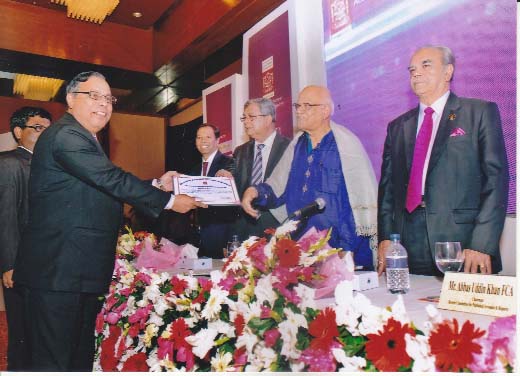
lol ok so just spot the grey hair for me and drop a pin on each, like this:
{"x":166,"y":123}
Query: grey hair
{"x":265,"y":105}
{"x":447,"y":55}
{"x":82,"y":77}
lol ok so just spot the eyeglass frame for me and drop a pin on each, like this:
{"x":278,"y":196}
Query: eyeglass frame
{"x":37,"y":127}
{"x":108,"y":98}
{"x":306,"y":105}
{"x":251,"y":117}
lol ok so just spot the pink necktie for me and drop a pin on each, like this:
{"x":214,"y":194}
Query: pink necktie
{"x":414,"y":193}
{"x":204,"y":168}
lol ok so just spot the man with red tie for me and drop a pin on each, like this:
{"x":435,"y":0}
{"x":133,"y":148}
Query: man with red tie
{"x":444,"y":175}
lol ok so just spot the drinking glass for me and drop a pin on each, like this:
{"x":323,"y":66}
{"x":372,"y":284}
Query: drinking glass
{"x":448,"y":256}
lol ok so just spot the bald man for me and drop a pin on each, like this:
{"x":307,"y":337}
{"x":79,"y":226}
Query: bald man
{"x":327,"y":161}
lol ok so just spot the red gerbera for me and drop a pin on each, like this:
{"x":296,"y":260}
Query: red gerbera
{"x":178,"y":333}
{"x":239,"y":324}
{"x":387,"y":348}
{"x":453,"y":351}
{"x":178,"y":285}
{"x":136,"y":363}
{"x":324,"y":329}
{"x":288,"y":252}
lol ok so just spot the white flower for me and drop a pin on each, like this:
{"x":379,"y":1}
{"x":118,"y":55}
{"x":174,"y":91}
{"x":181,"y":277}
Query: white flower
{"x":418,"y":349}
{"x":248,"y":340}
{"x":264,"y":290}
{"x":288,"y":331}
{"x":350,"y":364}
{"x":160,"y":306}
{"x":149,"y":333}
{"x":286,"y":228}
{"x":155,"y":319}
{"x":202,"y":341}
{"x":213,"y":306}
{"x":306,"y":295}
{"x":222,"y":327}
{"x":263,"y":357}
{"x":399,"y":311}
{"x":220,"y":362}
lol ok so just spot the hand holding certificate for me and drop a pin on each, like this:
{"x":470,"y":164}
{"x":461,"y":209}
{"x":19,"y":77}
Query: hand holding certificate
{"x":216,"y":191}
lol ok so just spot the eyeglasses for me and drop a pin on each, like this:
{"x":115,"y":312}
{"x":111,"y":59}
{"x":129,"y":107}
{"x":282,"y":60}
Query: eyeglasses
{"x":38,"y":127}
{"x":250,"y":117}
{"x":305,"y":106}
{"x":98,"y":96}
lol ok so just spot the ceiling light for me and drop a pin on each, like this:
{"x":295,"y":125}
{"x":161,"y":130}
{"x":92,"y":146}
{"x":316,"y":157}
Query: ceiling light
{"x":36,"y":87}
{"x":91,"y":10}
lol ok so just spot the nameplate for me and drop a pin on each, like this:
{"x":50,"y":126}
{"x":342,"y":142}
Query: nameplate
{"x":491,"y":295}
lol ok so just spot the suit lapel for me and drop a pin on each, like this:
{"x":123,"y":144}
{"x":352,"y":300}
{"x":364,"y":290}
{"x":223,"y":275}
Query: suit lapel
{"x":446,"y":126}
{"x":215,"y":164}
{"x":250,"y":156}
{"x":273,"y":156}
{"x":410,"y":134}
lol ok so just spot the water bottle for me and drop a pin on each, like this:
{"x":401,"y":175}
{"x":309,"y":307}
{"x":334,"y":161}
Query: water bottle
{"x":397,"y":274}
{"x":232,"y":245}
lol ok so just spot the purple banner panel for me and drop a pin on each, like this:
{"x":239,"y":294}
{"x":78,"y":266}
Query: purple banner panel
{"x":269,"y":70}
{"x":369,"y":81}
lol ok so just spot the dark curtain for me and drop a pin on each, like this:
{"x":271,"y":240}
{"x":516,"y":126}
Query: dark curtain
{"x":181,"y":153}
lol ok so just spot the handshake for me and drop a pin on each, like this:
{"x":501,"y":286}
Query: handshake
{"x":180,"y":203}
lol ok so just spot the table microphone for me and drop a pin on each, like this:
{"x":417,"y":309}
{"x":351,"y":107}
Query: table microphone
{"x":313,"y":208}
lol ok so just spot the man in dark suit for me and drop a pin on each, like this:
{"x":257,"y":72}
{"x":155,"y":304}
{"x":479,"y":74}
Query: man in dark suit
{"x":444,"y":175}
{"x":214,"y":223}
{"x":27,"y":124}
{"x":259,"y":121}
{"x":66,"y":256}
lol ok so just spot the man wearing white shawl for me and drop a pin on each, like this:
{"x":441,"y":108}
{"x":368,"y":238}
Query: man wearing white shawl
{"x":324,"y":160}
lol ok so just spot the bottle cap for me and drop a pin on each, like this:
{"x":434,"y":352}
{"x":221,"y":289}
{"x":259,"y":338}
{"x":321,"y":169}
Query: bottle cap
{"x":394,"y":237}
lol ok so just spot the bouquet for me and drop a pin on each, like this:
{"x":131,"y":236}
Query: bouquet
{"x":259,"y":313}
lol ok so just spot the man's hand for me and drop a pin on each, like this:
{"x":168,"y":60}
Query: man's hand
{"x":475,"y":261}
{"x":7,"y":279}
{"x":247,"y":200}
{"x":223,"y":174}
{"x":381,"y":256}
{"x":184,"y":203}
{"x":166,"y":181}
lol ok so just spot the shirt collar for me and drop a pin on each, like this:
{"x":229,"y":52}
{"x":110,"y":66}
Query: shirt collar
{"x":23,"y":147}
{"x":268,"y":142}
{"x":210,"y":158}
{"x":438,"y":105}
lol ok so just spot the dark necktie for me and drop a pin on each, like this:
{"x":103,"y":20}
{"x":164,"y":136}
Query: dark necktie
{"x":204,"y":168}
{"x":414,"y":193}
{"x":256,"y":175}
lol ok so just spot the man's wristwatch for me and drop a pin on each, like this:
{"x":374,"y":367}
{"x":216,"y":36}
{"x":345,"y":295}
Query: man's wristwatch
{"x":160,"y":184}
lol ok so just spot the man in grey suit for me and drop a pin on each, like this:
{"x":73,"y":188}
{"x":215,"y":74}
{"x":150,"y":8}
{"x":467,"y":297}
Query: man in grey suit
{"x":66,"y":256}
{"x":27,"y":124}
{"x":259,"y":121}
{"x":444,"y":175}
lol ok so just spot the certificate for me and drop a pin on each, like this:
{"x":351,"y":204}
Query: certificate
{"x":220,"y":191}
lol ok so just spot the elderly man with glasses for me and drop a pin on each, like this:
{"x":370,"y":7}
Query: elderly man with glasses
{"x":27,"y":124}
{"x":324,"y":161}
{"x":67,"y":252}
{"x":256,"y":159}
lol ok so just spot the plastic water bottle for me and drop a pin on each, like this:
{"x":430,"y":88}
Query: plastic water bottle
{"x":397,"y":274}
{"x":232,"y":245}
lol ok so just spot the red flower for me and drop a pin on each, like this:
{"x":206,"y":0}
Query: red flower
{"x":257,"y":255}
{"x":136,"y":363}
{"x":288,"y":252}
{"x":178,"y":285}
{"x":324,"y":329}
{"x":271,"y":336}
{"x":108,"y":360}
{"x":453,"y":350}
{"x":239,"y":324}
{"x":240,"y":356}
{"x":178,"y":333}
{"x":387,"y":348}
{"x":206,"y":286}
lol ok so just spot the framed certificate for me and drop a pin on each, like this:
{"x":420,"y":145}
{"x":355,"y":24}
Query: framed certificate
{"x":215,"y":191}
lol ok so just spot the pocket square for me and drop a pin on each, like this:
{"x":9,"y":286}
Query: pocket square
{"x":457,"y":132}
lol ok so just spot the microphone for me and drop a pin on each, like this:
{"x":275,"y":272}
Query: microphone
{"x":315,"y":207}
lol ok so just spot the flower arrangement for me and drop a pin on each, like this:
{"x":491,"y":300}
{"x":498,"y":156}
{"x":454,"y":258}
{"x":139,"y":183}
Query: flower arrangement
{"x":260,"y":313}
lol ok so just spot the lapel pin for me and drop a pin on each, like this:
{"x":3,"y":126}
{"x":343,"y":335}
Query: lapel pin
{"x":452,"y":116}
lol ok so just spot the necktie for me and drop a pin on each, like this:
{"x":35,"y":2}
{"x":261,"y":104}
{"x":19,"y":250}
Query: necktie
{"x":256,"y":175}
{"x":413,"y":195}
{"x":204,"y":168}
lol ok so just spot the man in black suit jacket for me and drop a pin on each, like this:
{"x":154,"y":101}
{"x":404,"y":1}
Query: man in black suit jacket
{"x":464,"y":178}
{"x":259,"y":123}
{"x":27,"y":124}
{"x":214,"y":222}
{"x":66,"y":256}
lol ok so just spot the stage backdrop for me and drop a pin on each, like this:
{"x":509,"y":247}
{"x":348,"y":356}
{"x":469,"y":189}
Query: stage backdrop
{"x":368,"y":45}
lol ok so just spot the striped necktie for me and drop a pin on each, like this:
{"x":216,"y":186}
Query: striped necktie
{"x":256,"y":175}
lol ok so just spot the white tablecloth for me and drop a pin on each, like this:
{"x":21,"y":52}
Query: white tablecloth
{"x":420,"y":287}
